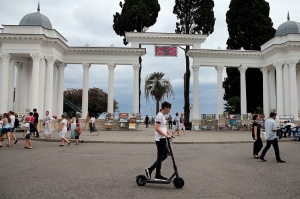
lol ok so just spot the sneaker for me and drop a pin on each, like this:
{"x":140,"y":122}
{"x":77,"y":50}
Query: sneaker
{"x":281,"y":161}
{"x":148,"y":173}
{"x":161,"y":178}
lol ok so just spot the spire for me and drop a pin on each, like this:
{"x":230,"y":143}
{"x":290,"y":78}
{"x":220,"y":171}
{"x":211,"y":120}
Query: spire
{"x":38,"y":8}
{"x":288,"y":17}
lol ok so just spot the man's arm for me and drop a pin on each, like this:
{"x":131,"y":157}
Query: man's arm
{"x":158,"y":130}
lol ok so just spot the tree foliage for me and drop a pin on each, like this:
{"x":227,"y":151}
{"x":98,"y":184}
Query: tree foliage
{"x":136,"y":15}
{"x":157,"y":88}
{"x":97,"y":100}
{"x":249,"y":26}
{"x":233,"y":105}
{"x":195,"y":17}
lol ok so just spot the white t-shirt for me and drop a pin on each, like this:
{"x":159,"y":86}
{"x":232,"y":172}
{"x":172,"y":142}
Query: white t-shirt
{"x":64,"y":121}
{"x":177,"y":120}
{"x":92,"y":120}
{"x":160,"y":118}
{"x":1,"y":124}
{"x":270,"y":125}
{"x":12,"y":123}
{"x":28,"y":127}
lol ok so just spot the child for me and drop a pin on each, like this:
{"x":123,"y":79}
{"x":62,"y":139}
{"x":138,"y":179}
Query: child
{"x":77,"y":134}
{"x":27,"y":131}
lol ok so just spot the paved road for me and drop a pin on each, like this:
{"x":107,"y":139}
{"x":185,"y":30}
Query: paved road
{"x":106,"y":170}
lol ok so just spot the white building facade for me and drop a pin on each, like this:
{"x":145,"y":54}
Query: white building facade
{"x":38,"y":55}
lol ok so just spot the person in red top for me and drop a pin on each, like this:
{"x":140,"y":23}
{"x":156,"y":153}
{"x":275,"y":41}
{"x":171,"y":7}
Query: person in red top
{"x":32,"y":121}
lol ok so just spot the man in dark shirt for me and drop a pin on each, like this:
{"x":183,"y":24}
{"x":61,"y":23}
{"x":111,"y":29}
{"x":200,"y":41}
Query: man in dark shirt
{"x":147,"y":121}
{"x":36,"y":121}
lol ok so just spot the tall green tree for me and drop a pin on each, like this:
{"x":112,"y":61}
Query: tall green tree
{"x":97,"y":100}
{"x":249,"y":26}
{"x":157,"y":87}
{"x":136,"y":15}
{"x":195,"y":16}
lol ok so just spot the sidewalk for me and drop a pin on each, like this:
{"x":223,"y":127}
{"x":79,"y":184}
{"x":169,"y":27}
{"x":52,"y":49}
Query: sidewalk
{"x":146,"y":135}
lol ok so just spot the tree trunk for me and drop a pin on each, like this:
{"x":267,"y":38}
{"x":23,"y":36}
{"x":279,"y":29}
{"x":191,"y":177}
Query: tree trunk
{"x":157,"y":107}
{"x":187,"y":88}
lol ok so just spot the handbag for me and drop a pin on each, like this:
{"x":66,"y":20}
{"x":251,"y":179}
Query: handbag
{"x":68,"y":127}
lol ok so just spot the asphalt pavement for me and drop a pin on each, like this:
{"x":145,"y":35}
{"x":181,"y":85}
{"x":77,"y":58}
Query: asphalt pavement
{"x":212,"y":164}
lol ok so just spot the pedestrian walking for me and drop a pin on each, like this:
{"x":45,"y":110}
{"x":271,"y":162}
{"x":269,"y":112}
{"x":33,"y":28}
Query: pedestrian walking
{"x":6,"y":128}
{"x":161,"y":136}
{"x":36,"y":121}
{"x":181,"y":126}
{"x":92,"y":124}
{"x":147,"y":121}
{"x":63,"y":130}
{"x":46,"y":124}
{"x":177,"y":124}
{"x":73,"y":125}
{"x":271,"y":130}
{"x":77,"y":134}
{"x":170,"y":121}
{"x":12,"y":126}
{"x":26,"y":133}
{"x":258,"y":144}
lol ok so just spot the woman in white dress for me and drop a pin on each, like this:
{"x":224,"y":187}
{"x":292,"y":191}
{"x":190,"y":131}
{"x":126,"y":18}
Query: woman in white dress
{"x":46,"y":124}
{"x":62,"y":130}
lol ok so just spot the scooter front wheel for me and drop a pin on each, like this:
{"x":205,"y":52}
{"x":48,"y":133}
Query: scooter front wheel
{"x":178,"y":182}
{"x":140,"y":180}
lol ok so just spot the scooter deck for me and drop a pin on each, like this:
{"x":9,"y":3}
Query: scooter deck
{"x":158,"y":181}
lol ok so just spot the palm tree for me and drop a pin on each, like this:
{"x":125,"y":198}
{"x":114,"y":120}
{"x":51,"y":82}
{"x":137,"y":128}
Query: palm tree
{"x":233,"y":105}
{"x":157,"y":87}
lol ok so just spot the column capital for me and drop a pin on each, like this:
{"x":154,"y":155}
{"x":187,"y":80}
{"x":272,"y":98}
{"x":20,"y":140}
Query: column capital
{"x":86,"y":66}
{"x":264,"y":70}
{"x":278,"y":65}
{"x":195,"y":67}
{"x":5,"y":57}
{"x":36,"y":57}
{"x":242,"y":69}
{"x":136,"y":67}
{"x":292,"y":63}
{"x":219,"y":69}
{"x":62,"y":66}
{"x":111,"y":67}
{"x":50,"y":59}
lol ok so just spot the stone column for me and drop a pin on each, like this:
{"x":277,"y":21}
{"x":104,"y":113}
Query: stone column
{"x":286,"y":89}
{"x":272,"y":88}
{"x":24,"y":96}
{"x":85,"y":90}
{"x":110,"y":96}
{"x":55,"y":89}
{"x":266,"y":105}
{"x":220,"y":89}
{"x":196,"y":92}
{"x":49,"y":85}
{"x":6,"y":57}
{"x":42,"y":88}
{"x":242,"y":70}
{"x":11,"y":86}
{"x":279,"y":87}
{"x":35,"y":80}
{"x":60,"y":99}
{"x":136,"y":68}
{"x":293,"y":89}
{"x":298,"y":87}
{"x":18,"y":88}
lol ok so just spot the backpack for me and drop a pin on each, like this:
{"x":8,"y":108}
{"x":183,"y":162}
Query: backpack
{"x":32,"y":127}
{"x":174,"y":122}
{"x":17,"y":123}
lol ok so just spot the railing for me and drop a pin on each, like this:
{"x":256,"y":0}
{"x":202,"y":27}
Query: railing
{"x":73,"y":106}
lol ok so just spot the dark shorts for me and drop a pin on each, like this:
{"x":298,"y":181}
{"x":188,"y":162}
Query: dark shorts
{"x":12,"y":130}
{"x":76,"y":137}
{"x":27,"y":136}
{"x":5,"y":130}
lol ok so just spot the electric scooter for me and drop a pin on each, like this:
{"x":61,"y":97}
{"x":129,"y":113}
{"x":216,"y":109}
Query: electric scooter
{"x":178,"y":182}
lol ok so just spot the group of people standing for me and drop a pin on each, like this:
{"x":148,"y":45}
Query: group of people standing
{"x":271,"y":129}
{"x":178,"y":122}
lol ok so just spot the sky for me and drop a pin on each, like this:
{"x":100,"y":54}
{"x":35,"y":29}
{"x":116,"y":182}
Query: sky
{"x":89,"y":22}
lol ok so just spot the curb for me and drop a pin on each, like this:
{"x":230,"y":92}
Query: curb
{"x":148,"y":142}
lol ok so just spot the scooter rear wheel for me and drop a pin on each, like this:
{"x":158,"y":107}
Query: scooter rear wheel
{"x":178,"y":182}
{"x":140,"y":180}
